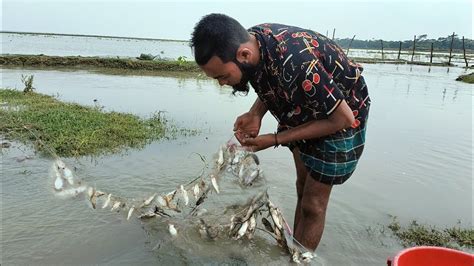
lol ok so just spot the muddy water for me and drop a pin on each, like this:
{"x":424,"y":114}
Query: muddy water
{"x":417,"y":166}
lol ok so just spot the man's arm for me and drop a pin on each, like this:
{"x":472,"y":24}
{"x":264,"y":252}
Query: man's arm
{"x":340,"y":119}
{"x":258,"y":108}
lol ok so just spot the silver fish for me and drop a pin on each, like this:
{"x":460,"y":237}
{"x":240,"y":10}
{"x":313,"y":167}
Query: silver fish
{"x":107,"y":201}
{"x":242,"y":230}
{"x":220,"y":159}
{"x":250,"y":178}
{"x":92,"y":197}
{"x":307,"y":256}
{"x":184,"y":193}
{"x":214,"y":183}
{"x":68,"y":175}
{"x":274,"y":213}
{"x":172,"y":230}
{"x":149,"y":200}
{"x":161,"y":201}
{"x":130,"y":212}
{"x":241,"y":171}
{"x":71,"y":192}
{"x":196,"y":191}
{"x":148,"y":215}
{"x":252,"y":226}
{"x":115,"y":206}
{"x":58,"y":183}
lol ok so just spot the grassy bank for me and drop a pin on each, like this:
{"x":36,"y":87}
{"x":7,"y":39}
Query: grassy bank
{"x":97,"y":62}
{"x":135,"y":66}
{"x":416,"y":234}
{"x":469,"y":78}
{"x":68,"y":129}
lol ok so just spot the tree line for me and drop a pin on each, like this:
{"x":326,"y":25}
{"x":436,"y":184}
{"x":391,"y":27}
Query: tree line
{"x":422,"y":43}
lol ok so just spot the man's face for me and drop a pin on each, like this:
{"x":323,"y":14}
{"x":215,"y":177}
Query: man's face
{"x":232,"y":73}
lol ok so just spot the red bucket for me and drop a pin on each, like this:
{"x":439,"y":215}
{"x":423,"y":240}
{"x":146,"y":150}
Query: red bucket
{"x":431,"y":256}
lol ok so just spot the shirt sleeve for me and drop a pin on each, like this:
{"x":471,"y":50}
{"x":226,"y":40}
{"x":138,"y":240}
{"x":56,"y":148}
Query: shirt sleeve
{"x":304,"y":77}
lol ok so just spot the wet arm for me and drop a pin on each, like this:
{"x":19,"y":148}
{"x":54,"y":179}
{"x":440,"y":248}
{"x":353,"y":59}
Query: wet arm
{"x":341,"y":118}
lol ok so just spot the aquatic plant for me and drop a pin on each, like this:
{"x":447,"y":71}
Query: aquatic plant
{"x":27,"y":80}
{"x":469,"y":78}
{"x":416,"y":234}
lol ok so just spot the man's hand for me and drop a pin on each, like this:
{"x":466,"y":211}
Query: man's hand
{"x":259,"y":143}
{"x":247,"y":126}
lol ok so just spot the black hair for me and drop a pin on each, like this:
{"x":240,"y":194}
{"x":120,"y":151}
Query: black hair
{"x":217,"y":34}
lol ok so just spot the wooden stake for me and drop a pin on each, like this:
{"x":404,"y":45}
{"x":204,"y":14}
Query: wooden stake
{"x":381,"y":42}
{"x":451,"y":49}
{"x":431,"y":56}
{"x":399,"y":50}
{"x":464,"y":51}
{"x":349,"y":47}
{"x":413,"y":53}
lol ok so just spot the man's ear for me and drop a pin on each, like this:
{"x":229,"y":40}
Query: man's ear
{"x":244,"y":54}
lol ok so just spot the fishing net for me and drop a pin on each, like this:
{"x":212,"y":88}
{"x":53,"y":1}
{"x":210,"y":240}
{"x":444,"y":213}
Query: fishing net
{"x":189,"y":202}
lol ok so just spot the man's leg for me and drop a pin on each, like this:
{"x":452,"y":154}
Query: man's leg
{"x":312,"y":210}
{"x":300,"y":180}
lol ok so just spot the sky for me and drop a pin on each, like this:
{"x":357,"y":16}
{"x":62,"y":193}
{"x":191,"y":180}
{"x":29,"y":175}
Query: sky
{"x":390,"y":20}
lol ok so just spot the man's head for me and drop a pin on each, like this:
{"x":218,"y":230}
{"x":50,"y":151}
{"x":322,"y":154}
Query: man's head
{"x":222,"y":48}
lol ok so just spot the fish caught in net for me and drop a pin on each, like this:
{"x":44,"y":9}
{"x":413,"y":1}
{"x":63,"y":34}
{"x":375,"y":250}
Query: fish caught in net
{"x":188,"y":201}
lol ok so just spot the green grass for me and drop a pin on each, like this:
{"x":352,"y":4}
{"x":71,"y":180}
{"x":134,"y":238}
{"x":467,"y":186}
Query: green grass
{"x":416,"y":234}
{"x":68,"y":129}
{"x":79,"y":62}
{"x":469,"y":78}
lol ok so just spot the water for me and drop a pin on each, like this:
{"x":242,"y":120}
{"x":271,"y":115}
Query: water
{"x":417,"y":165}
{"x":14,"y":43}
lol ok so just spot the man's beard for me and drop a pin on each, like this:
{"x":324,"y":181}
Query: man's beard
{"x":248,"y":73}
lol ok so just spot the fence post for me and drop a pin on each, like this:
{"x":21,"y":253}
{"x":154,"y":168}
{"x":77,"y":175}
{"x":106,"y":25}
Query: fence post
{"x":381,"y":42}
{"x":413,"y":53}
{"x":464,"y":51}
{"x":399,"y":51}
{"x":431,"y":56}
{"x":451,"y":49}
{"x":349,"y":47}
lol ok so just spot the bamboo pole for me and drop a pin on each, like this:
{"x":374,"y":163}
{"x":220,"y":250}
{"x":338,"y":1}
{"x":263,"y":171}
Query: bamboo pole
{"x":413,"y":53}
{"x":349,"y":47}
{"x":464,"y":51}
{"x":399,"y":51}
{"x":381,"y":42}
{"x":451,"y":49}
{"x":431,"y":56}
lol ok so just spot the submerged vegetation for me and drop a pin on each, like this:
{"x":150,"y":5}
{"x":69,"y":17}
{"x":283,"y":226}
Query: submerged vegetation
{"x":469,"y":78}
{"x":69,"y":129}
{"x":416,"y":234}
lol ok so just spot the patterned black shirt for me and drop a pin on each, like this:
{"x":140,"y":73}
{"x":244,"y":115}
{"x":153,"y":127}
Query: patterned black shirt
{"x":304,"y":76}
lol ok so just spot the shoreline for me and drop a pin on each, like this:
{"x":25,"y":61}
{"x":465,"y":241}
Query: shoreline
{"x":92,"y":36}
{"x":88,"y":63}
{"x":136,"y":65}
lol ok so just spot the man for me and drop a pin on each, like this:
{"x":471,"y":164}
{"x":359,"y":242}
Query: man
{"x":316,"y":94}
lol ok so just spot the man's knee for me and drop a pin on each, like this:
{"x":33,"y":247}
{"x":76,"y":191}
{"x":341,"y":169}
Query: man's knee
{"x":313,"y":208}
{"x":299,"y":187}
